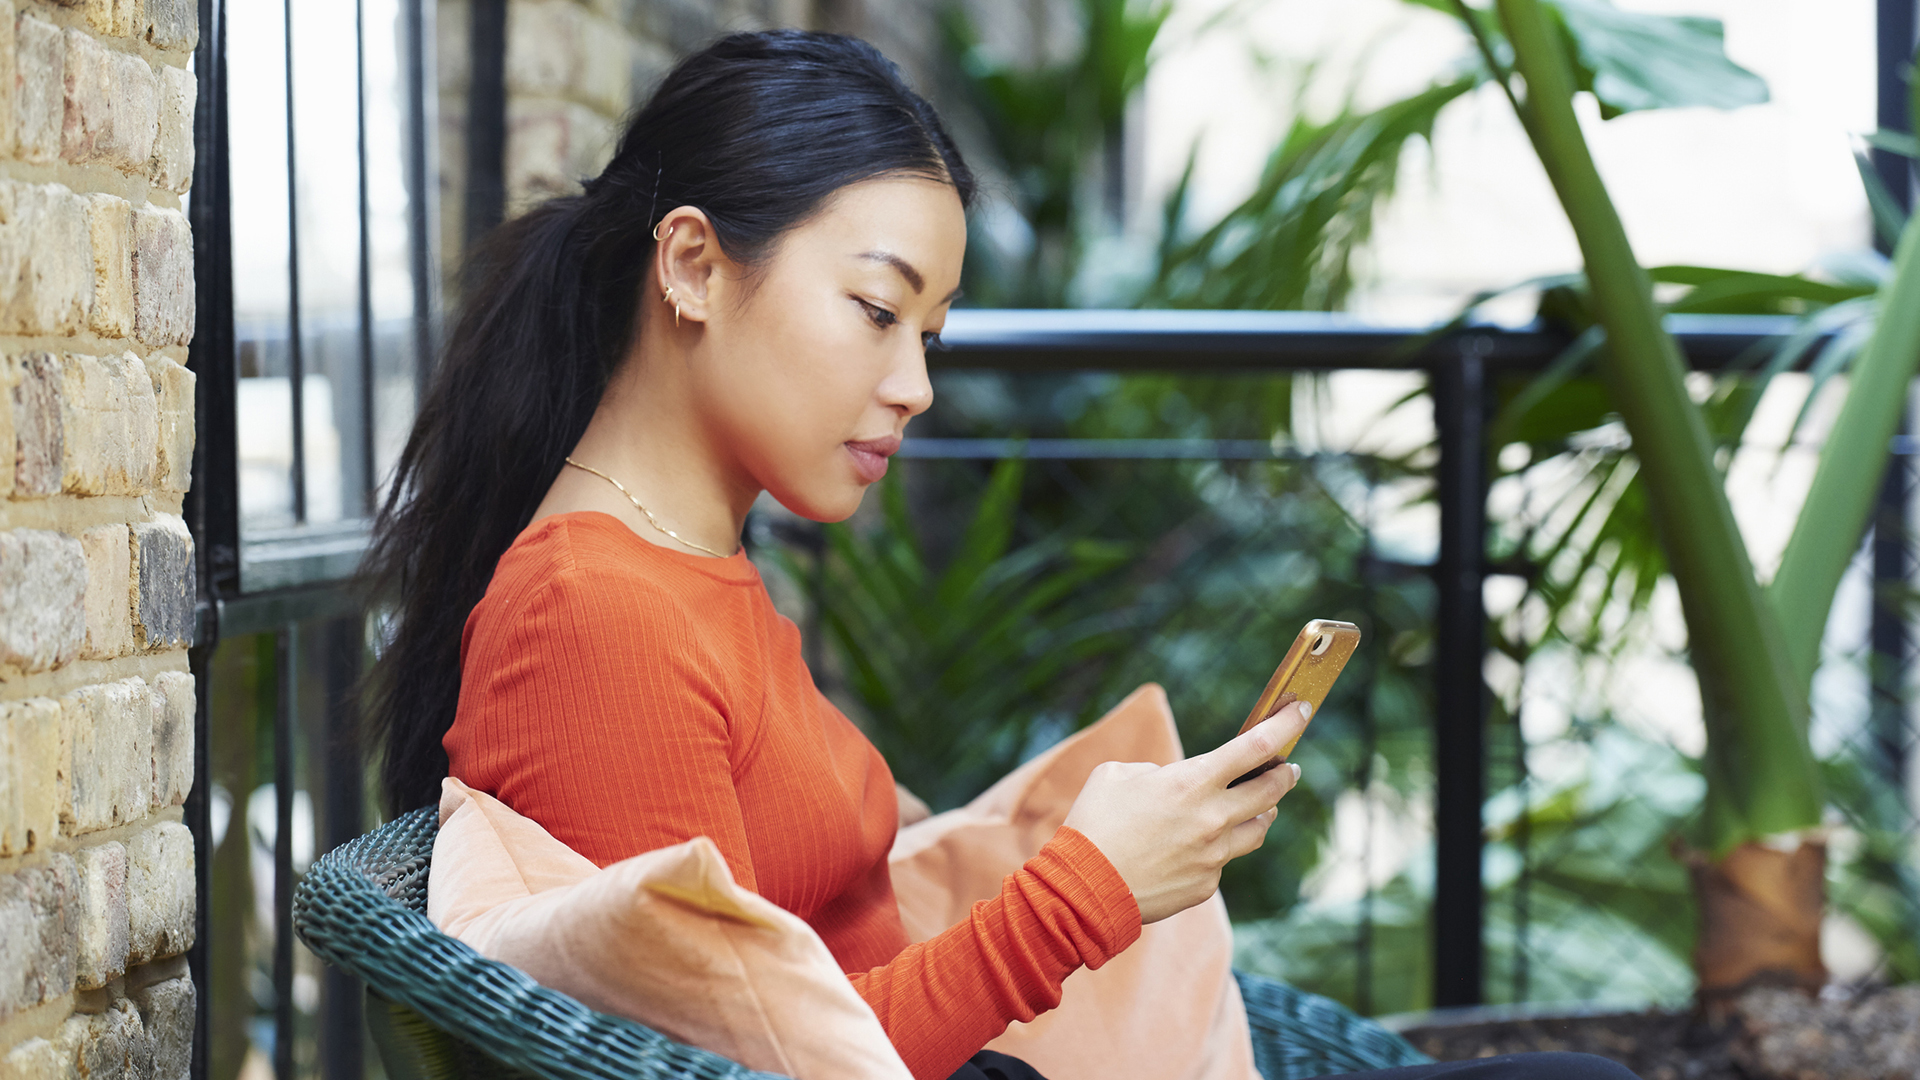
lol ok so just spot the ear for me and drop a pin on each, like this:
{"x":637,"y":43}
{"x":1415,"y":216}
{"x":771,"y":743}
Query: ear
{"x":689,"y":261}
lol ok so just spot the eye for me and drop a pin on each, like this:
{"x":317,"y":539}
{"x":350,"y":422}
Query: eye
{"x":879,"y":316}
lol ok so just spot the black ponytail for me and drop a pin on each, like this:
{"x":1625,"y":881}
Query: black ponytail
{"x":757,"y":130}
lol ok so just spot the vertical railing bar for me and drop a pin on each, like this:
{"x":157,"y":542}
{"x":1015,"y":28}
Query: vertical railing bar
{"x":286,"y":676}
{"x":1887,"y":633}
{"x":1363,"y":943}
{"x":1523,"y":839}
{"x":1459,"y":898}
{"x":486,"y":189}
{"x":422,"y":189}
{"x":366,"y":261}
{"x":198,"y":813}
{"x":211,"y":507}
{"x":1363,"y":779}
{"x":341,"y":1013}
{"x":1895,"y":30}
{"x":296,"y":360}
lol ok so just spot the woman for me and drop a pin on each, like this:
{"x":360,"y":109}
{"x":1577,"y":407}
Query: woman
{"x":739,"y":303}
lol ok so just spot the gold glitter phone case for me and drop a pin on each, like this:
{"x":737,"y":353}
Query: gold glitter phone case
{"x":1306,"y":674}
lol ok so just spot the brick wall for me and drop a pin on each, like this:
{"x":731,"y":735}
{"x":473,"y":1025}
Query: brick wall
{"x":96,"y":581}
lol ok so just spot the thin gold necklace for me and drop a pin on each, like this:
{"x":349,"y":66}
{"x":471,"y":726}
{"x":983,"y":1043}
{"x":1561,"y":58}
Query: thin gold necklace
{"x":651,"y":520}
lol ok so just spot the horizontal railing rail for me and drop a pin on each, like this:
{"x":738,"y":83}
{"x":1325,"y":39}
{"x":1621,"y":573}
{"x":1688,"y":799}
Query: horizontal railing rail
{"x":1069,"y":340}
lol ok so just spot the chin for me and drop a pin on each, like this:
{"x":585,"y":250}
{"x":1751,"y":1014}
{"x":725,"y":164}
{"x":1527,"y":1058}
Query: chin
{"x":827,"y":507}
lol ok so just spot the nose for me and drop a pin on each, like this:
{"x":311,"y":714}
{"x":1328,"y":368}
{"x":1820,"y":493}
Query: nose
{"x":907,"y":387}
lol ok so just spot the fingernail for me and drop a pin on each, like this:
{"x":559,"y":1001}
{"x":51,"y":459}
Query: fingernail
{"x":1295,"y":766}
{"x":1306,"y":710}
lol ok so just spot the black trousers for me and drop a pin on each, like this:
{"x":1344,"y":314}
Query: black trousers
{"x":988,"y":1065}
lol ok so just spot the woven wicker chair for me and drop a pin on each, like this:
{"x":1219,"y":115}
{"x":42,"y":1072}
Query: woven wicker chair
{"x":437,"y":1009}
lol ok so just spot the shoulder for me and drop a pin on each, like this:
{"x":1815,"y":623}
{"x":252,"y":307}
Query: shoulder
{"x":584,"y":571}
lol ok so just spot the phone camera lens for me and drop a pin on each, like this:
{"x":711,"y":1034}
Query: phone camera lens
{"x":1321,"y":643}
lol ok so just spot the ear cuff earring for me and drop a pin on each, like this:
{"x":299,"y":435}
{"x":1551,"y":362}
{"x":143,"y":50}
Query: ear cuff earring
{"x":667,"y":297}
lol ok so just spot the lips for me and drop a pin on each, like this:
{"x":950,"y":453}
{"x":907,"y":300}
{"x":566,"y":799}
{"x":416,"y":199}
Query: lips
{"x":870,"y":456}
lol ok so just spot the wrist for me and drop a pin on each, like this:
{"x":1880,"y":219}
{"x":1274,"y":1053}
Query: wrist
{"x":1074,"y":866}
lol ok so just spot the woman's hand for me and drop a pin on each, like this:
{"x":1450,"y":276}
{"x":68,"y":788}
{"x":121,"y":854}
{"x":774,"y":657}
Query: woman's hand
{"x":1169,"y":829}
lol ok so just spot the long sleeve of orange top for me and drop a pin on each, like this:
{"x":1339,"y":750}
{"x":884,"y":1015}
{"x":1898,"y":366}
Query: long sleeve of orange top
{"x":943,"y":999}
{"x":628,"y":699}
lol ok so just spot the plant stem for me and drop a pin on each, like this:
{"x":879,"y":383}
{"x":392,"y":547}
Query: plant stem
{"x":1761,"y":778}
{"x":1827,"y":532}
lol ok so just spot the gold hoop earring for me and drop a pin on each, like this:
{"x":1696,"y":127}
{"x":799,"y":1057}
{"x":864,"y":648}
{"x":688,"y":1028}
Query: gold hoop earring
{"x":667,"y":298}
{"x":656,"y":231}
{"x":676,"y":316}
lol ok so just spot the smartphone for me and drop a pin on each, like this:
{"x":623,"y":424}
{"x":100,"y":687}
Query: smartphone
{"x":1306,"y":674}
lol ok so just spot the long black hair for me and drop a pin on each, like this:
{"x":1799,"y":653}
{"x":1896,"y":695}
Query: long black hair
{"x":757,"y":130}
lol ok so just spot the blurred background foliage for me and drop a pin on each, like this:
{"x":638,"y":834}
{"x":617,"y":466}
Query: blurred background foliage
{"x":985,"y":609}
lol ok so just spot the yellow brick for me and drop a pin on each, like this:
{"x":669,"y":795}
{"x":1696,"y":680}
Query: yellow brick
{"x":107,"y":744}
{"x":112,"y":425}
{"x":109,"y":592}
{"x":110,"y":225}
{"x":114,"y":18}
{"x":9,"y":378}
{"x":6,"y":77}
{"x":173,"y":701}
{"x":30,"y":774}
{"x":173,"y":396}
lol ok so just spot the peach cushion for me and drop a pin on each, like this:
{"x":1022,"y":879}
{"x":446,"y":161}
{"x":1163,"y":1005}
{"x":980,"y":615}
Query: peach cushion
{"x":1167,"y":1008}
{"x":666,"y":938}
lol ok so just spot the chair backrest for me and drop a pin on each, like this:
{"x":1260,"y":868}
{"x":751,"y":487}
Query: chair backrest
{"x":362,"y":907}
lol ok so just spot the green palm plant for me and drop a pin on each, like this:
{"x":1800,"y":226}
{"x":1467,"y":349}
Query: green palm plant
{"x":1289,"y":245}
{"x":1754,"y":647}
{"x":1045,"y":124}
{"x":958,"y":667}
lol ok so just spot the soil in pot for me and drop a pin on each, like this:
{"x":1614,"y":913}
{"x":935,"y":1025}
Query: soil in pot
{"x":1657,"y":1045}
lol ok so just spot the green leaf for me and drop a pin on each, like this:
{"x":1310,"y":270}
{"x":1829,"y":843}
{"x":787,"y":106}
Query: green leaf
{"x":1894,"y":142}
{"x":1828,"y":529}
{"x":1543,"y":395}
{"x":1718,"y":291}
{"x":1633,"y":61}
{"x":1889,"y":217}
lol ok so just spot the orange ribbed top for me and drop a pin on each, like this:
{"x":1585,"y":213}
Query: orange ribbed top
{"x":627,"y":696}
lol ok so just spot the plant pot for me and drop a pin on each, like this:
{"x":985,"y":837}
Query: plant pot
{"x":1760,"y":912}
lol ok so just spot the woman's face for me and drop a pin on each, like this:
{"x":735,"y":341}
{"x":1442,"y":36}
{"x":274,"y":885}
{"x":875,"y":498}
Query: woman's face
{"x":819,"y":361}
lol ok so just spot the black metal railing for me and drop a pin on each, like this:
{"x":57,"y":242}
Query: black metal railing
{"x":280,"y":639}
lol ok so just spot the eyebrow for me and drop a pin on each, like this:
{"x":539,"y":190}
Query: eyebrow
{"x":906,"y":270}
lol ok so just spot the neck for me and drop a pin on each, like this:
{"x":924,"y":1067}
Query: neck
{"x":647,"y":435}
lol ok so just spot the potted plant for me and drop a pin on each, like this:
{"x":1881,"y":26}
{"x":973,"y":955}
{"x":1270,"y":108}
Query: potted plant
{"x":1758,"y":864}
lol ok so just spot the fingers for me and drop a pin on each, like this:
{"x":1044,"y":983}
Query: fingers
{"x":1259,"y":794}
{"x":1258,"y":744}
{"x":1249,"y":835}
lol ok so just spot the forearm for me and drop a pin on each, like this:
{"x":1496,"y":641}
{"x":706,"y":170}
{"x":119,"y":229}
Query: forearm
{"x":943,"y":999}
